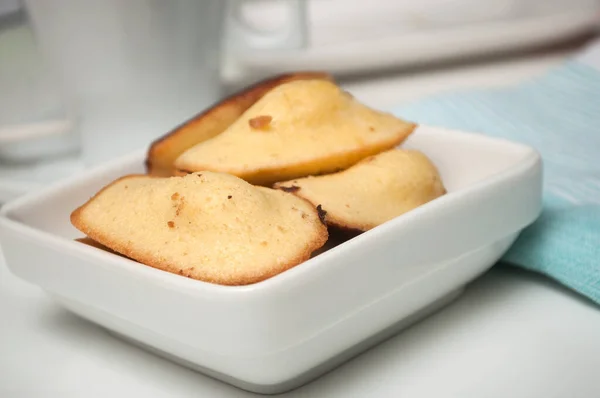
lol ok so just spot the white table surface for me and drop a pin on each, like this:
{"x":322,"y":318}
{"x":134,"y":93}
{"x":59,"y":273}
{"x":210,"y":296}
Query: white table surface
{"x":512,"y":334}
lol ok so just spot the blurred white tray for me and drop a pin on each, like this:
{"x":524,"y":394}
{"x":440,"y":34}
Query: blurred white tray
{"x":19,"y":179}
{"x":413,"y":43}
{"x":35,"y":155}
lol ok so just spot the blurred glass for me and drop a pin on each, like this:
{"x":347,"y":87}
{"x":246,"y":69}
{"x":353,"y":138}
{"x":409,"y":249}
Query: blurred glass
{"x":110,"y":76}
{"x":34,"y":122}
{"x":132,"y":69}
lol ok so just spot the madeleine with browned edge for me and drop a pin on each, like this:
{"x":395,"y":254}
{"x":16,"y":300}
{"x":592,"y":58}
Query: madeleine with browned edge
{"x":212,"y":121}
{"x":299,"y":128}
{"x":213,"y":227}
{"x":373,"y":191}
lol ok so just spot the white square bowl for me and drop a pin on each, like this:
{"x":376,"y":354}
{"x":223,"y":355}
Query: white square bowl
{"x":275,"y":335}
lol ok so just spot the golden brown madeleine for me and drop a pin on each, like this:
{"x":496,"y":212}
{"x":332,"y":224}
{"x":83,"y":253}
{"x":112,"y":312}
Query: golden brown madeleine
{"x":373,"y":191}
{"x":207,"y":124}
{"x":299,"y":128}
{"x":208,"y":226}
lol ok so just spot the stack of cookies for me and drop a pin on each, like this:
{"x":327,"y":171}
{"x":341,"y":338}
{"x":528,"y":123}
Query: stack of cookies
{"x":256,"y":184}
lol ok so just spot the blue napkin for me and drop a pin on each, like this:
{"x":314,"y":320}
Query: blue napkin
{"x":559,"y":115}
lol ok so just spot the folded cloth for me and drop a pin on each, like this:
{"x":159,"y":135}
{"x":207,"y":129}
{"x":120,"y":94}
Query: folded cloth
{"x":557,"y":113}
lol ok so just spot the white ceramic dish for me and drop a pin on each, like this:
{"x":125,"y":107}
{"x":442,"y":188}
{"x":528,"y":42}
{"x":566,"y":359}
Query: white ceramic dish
{"x":280,"y":333}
